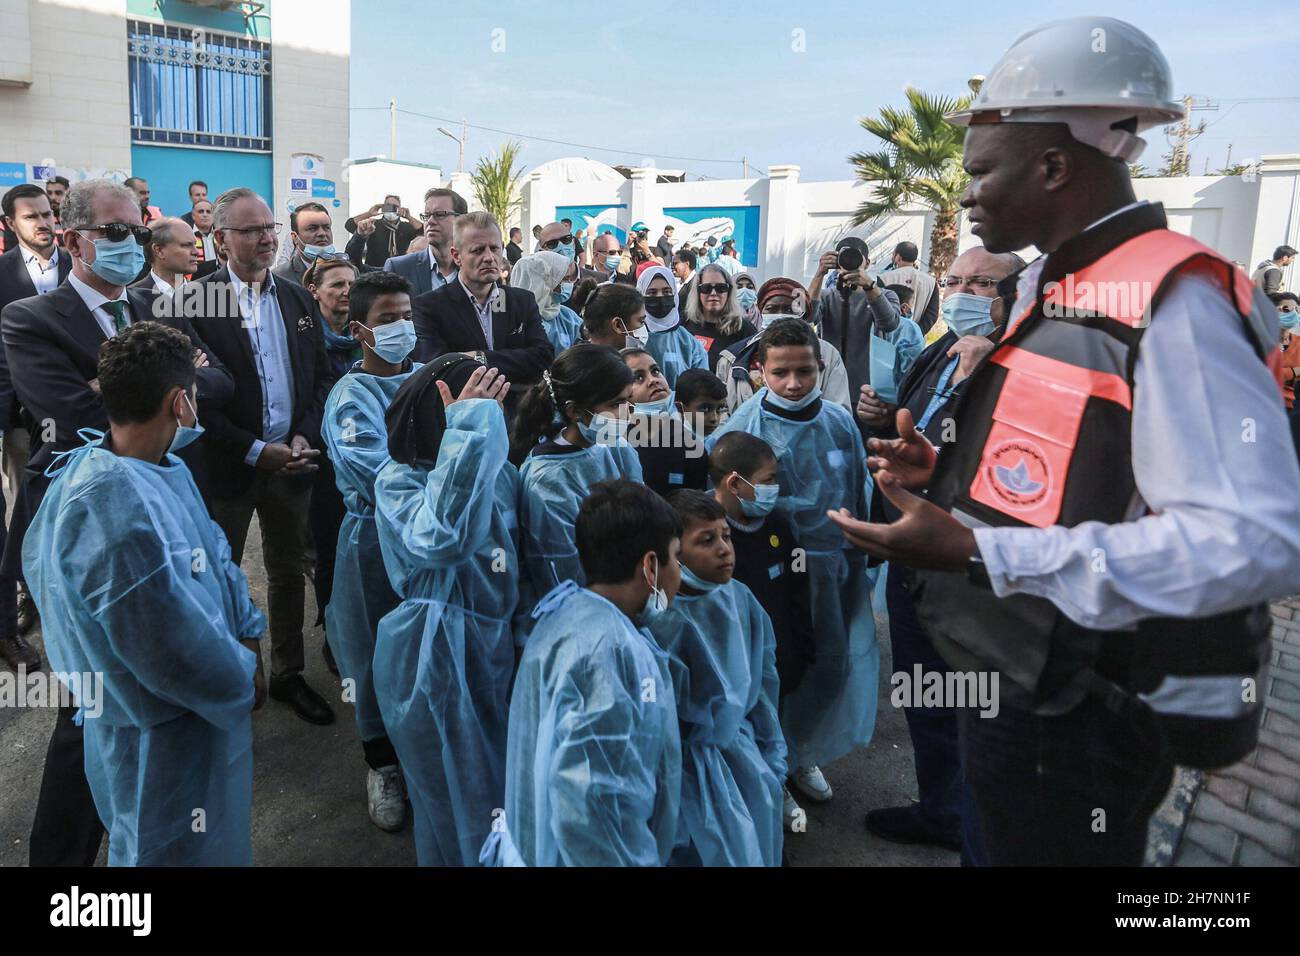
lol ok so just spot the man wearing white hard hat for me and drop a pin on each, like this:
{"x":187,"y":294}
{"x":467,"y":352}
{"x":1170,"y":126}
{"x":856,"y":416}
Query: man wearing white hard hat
{"x":1105,"y":534}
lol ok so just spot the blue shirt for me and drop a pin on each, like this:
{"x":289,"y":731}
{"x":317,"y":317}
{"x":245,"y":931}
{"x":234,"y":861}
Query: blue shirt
{"x":266,"y":333}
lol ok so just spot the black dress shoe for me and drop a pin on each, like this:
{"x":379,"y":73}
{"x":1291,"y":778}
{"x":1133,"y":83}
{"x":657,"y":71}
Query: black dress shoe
{"x":27,"y":613}
{"x":306,"y":703}
{"x":329,"y":659}
{"x":904,"y":825}
{"x":18,"y":653}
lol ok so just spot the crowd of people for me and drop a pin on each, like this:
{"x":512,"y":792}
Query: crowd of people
{"x":594,"y":529}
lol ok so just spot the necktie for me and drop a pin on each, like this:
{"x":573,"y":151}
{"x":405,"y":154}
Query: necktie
{"x":117,"y":309}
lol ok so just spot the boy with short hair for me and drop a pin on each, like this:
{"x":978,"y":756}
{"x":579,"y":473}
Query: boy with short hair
{"x":722,"y":657}
{"x":701,"y":400}
{"x":821,"y":468}
{"x":593,"y":761}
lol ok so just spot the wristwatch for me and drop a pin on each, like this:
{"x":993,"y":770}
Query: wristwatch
{"x":977,"y":572}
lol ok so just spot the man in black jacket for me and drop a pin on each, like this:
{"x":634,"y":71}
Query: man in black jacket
{"x":261,"y":447}
{"x":498,"y":325}
{"x":52,"y":346}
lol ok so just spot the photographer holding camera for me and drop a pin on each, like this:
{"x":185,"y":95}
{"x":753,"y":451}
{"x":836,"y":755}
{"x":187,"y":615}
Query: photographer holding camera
{"x":382,"y":232}
{"x":861,"y":318}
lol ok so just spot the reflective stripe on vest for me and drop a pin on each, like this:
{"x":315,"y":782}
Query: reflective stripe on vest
{"x":1072,"y":356}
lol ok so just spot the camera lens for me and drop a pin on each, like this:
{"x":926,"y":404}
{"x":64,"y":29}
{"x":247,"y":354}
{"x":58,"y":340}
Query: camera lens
{"x":850,"y":260}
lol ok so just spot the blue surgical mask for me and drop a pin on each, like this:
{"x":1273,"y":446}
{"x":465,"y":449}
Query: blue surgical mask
{"x":789,"y":406}
{"x":695,"y":582}
{"x":568,"y":250}
{"x":747,"y":298}
{"x":1289,"y":320}
{"x":185,"y":434}
{"x":611,"y":262}
{"x":662,"y":407}
{"x":657,"y":601}
{"x":394,"y":341}
{"x":764,"y":499}
{"x":311,"y":252}
{"x":566,"y":291}
{"x":968,"y":314}
{"x":604,"y":430}
{"x":118,"y":262}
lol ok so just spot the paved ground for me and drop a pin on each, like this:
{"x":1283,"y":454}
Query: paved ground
{"x":1249,"y":814}
{"x":309,"y":804}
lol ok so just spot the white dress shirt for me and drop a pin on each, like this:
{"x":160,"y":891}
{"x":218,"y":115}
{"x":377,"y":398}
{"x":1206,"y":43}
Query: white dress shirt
{"x":44,"y":277}
{"x":270,"y":342}
{"x":1216,"y":525}
{"x":95,"y":303}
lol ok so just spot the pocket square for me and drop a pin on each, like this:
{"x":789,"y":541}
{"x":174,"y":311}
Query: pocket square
{"x":305,"y":323}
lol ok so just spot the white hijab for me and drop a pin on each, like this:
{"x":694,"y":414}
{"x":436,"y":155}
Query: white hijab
{"x":540,"y":273}
{"x":643,"y":282}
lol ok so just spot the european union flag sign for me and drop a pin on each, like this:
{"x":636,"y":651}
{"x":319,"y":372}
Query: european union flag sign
{"x":43,"y":174}
{"x":298,"y":185}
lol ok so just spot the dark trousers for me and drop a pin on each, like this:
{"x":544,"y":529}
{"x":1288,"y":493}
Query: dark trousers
{"x":933,"y":729}
{"x":325,"y":516}
{"x":67,"y":830}
{"x":281,"y":505}
{"x":1074,"y":790}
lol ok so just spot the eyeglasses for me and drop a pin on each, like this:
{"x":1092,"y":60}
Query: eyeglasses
{"x":117,"y":231}
{"x":333,"y":257}
{"x":552,"y":243}
{"x":714,"y":288}
{"x":979,"y":282}
{"x":438,"y":214}
{"x":270,"y":229}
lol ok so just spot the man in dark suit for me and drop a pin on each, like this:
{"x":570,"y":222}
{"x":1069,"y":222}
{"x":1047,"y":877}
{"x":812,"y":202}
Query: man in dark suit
{"x":432,"y":268}
{"x":52,"y":346}
{"x":198,"y":194}
{"x":34,"y":266}
{"x":262,"y":446}
{"x":498,"y":325}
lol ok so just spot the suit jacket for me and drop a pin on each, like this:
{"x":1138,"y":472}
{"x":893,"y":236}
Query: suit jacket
{"x":414,"y":268}
{"x":15,"y":284}
{"x":445,"y":321}
{"x":232,"y":427}
{"x":52,"y":343}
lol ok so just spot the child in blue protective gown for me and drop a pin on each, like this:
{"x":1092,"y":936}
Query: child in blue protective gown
{"x":593,"y":772}
{"x":357,"y":442}
{"x":445,"y":510}
{"x":135,"y":583}
{"x":569,"y":434}
{"x":821,"y":468}
{"x":722,"y":658}
{"x":672,"y":345}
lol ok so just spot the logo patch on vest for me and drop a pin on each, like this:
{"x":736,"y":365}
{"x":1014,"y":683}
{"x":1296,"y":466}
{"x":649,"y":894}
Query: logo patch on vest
{"x":1018,"y":473}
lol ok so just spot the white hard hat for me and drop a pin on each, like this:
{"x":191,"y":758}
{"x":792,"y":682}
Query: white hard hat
{"x":1088,"y":72}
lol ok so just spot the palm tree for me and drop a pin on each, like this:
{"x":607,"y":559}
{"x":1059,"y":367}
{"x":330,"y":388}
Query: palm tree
{"x":919,"y":161}
{"x":496,"y":182}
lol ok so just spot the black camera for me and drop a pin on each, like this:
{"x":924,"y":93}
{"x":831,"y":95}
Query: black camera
{"x":850,"y":259}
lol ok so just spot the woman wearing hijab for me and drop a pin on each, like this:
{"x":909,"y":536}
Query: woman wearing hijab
{"x":713,"y":313}
{"x":747,"y":298}
{"x":547,"y":276}
{"x":445,"y":511}
{"x":672,"y":345}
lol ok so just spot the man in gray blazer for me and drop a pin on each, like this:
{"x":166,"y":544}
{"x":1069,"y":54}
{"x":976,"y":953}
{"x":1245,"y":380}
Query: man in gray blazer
{"x":432,"y":268}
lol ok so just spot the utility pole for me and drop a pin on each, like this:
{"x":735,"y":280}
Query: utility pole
{"x":392,"y":128}
{"x":745,"y":161}
{"x":1227,"y":163}
{"x":464,"y":135}
{"x":1178,"y":160}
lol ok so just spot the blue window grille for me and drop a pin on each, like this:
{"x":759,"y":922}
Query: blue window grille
{"x":198,"y":87}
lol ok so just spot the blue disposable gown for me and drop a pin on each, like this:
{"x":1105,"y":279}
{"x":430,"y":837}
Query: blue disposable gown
{"x":593,"y":772}
{"x":357,"y":440}
{"x":676,"y":350}
{"x":564,"y":329}
{"x":822,"y":467}
{"x":722,"y":659}
{"x":444,"y":655}
{"x":553,"y":488}
{"x":135,"y":582}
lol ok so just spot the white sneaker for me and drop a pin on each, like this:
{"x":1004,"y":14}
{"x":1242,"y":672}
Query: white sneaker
{"x":791,"y":811}
{"x":810,"y":782}
{"x":386,"y":795}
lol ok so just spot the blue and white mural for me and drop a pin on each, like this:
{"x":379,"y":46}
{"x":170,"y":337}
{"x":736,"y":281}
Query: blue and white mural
{"x":692,"y":225}
{"x":597,"y":220}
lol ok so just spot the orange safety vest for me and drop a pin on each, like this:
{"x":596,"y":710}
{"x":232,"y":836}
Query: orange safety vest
{"x":1043,"y":438}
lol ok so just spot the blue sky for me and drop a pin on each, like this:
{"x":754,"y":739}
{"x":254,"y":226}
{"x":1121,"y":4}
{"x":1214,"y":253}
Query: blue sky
{"x":717,"y":81}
